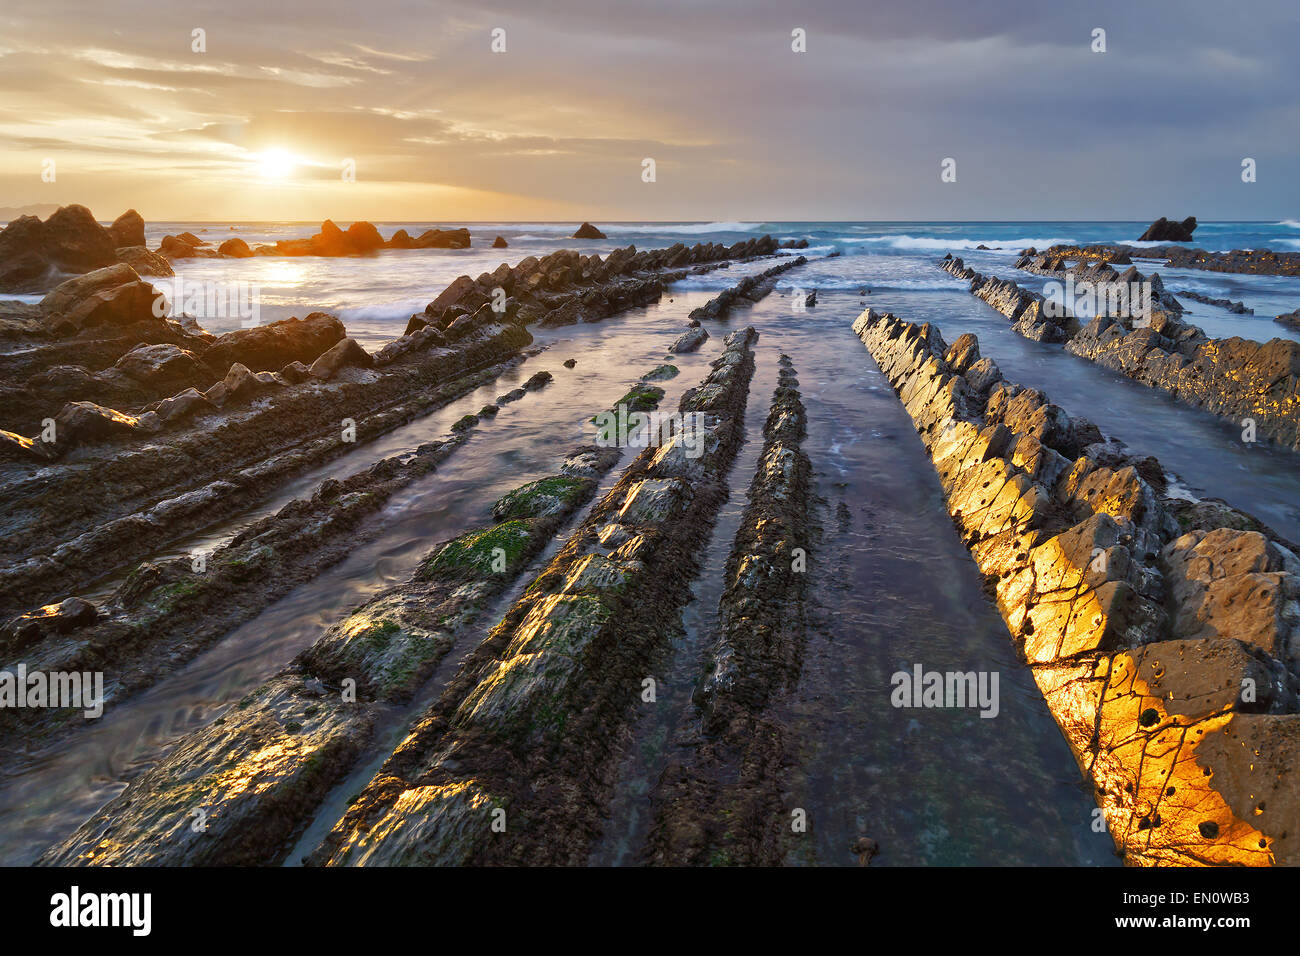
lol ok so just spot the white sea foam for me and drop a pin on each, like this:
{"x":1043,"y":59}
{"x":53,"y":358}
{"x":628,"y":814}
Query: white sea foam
{"x":930,"y":243}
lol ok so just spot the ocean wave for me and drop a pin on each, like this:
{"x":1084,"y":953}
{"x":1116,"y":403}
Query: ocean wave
{"x":932,"y":244}
{"x":565,"y":230}
{"x":383,"y":311}
{"x":1289,"y":223}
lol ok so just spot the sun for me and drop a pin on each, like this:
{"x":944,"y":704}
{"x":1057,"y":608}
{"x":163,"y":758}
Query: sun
{"x":276,"y":164}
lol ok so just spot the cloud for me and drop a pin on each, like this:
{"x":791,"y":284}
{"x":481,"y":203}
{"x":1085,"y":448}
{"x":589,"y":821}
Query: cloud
{"x":739,"y":125}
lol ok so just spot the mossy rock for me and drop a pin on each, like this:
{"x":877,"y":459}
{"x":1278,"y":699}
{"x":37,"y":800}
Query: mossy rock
{"x":475,"y":552}
{"x":538,"y":499}
{"x":661,"y":373}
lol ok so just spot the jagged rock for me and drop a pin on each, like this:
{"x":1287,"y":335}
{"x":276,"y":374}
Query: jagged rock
{"x":86,"y":421}
{"x":174,"y":247}
{"x":361,"y":238}
{"x":499,"y":243}
{"x":442,"y":239}
{"x":588,"y":231}
{"x":235,"y":248}
{"x":414,"y":324}
{"x":193,"y":240}
{"x":127,"y":229}
{"x":115,"y":296}
{"x":144,"y":261}
{"x":1290,"y":319}
{"x":537,"y":380}
{"x":347,"y":353}
{"x":182,"y":405}
{"x":26,"y":629}
{"x":158,"y":364}
{"x":294,"y":373}
{"x":1162,"y":230}
{"x":269,"y":347}
{"x":690,"y":340}
{"x":33,"y":253}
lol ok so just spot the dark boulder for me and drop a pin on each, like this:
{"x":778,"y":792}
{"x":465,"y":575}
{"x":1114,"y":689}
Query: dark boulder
{"x":158,"y":364}
{"x":499,"y":243}
{"x":1290,"y":319}
{"x":271,"y":347}
{"x":442,"y":239}
{"x":588,"y":231}
{"x":1162,"y":230}
{"x":115,"y":296}
{"x":34,"y":253}
{"x":346,"y":354}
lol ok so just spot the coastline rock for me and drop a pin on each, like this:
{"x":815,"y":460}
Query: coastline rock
{"x":270,"y":347}
{"x":33,"y":253}
{"x":1237,"y":308}
{"x":1162,"y":230}
{"x":588,"y":231}
{"x":442,"y":239}
{"x":127,"y":229}
{"x":144,"y":261}
{"x":112,"y":296}
{"x":174,"y":247}
{"x":158,"y":364}
{"x":1290,"y":319}
{"x":235,"y":248}
{"x":347,"y":353}
{"x":690,"y":340}
{"x":499,"y":243}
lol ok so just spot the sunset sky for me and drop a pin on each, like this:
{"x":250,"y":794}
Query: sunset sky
{"x":740,"y":126}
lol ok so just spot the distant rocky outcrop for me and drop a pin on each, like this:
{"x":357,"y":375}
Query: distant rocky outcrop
{"x":1290,"y":319}
{"x":588,"y":231}
{"x":234,"y":248}
{"x":362,"y":238}
{"x":1162,"y":230}
{"x":442,"y":239}
{"x":499,"y":243}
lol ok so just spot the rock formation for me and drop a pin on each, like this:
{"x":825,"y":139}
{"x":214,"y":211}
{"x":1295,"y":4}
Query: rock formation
{"x":1162,"y":230}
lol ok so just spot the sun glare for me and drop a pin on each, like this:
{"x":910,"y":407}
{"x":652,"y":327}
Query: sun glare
{"x":276,"y":164}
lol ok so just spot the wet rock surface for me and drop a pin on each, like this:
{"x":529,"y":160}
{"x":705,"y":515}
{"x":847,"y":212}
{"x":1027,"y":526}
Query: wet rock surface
{"x":1159,"y":632}
{"x":255,"y":776}
{"x":528,"y":732}
{"x":714,"y":804}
